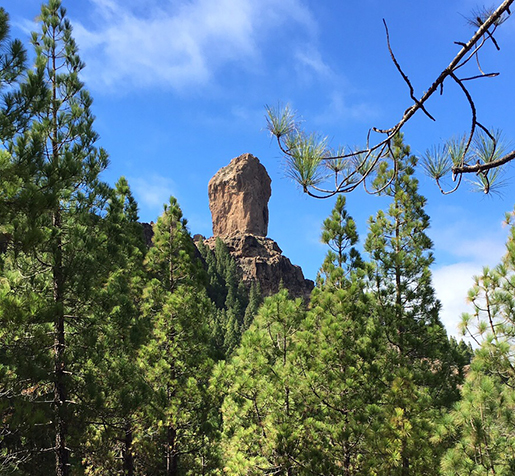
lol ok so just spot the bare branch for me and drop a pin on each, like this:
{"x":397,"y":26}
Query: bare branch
{"x":404,"y":76}
{"x":353,"y":168}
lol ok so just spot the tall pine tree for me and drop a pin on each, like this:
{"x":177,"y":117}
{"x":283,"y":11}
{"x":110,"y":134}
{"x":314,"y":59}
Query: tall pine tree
{"x":481,"y":426}
{"x":116,"y":389}
{"x":263,"y":409}
{"x":339,"y":348}
{"x":340,"y":234}
{"x":56,"y":262}
{"x":176,"y":360}
{"x":421,"y":367}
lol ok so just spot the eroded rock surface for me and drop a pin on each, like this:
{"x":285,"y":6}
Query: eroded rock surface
{"x":238,"y":198}
{"x":260,"y":259}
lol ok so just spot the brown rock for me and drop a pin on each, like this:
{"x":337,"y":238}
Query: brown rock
{"x":260,"y":259}
{"x":238,"y":198}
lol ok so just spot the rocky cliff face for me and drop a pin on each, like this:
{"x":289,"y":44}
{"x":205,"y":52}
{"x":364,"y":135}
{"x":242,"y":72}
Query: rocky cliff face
{"x":238,"y":199}
{"x":260,"y":259}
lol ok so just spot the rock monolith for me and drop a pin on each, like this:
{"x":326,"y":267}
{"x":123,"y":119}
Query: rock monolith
{"x":238,"y":198}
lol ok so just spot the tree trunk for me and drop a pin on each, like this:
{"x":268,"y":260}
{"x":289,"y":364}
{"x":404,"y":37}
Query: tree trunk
{"x":172,"y":460}
{"x":128,"y":457}
{"x":60,"y":397}
{"x":405,"y":466}
{"x":398,"y":285}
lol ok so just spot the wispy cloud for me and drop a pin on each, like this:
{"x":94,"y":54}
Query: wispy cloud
{"x":479,"y":241}
{"x":248,"y":115}
{"x":310,"y":60}
{"x":339,"y":108}
{"x":471,"y":246}
{"x":178,"y":45}
{"x":151,"y":193}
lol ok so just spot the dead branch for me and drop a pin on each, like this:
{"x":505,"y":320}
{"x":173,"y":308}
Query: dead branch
{"x":365,"y":160}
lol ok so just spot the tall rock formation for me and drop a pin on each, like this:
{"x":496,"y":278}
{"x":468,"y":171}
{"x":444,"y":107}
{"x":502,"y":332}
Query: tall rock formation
{"x":238,"y":199}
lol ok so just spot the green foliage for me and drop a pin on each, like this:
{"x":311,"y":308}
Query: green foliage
{"x":306,"y":152}
{"x":107,"y":348}
{"x":172,"y":258}
{"x":116,"y":388}
{"x":14,"y":108}
{"x":339,"y":233}
{"x":263,"y":421}
{"x":486,"y":147}
{"x":236,"y":304}
{"x":338,"y":350}
{"x":422,"y":368}
{"x":56,"y":262}
{"x":401,"y":255}
{"x":175,"y":361}
{"x":255,"y":301}
{"x":481,"y":425}
{"x":373,"y":369}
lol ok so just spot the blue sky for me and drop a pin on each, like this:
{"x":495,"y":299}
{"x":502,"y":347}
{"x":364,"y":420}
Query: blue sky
{"x":179,"y":90}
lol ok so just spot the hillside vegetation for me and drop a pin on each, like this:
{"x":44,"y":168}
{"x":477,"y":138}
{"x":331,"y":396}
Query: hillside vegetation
{"x":119,"y":358}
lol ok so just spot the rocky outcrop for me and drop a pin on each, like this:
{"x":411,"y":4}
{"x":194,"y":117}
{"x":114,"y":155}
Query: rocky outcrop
{"x":260,"y":259}
{"x":238,"y":198}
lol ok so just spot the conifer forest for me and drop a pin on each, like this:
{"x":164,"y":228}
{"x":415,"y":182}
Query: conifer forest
{"x":124,"y":357}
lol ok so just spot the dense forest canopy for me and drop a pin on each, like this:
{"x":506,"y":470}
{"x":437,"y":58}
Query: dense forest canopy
{"x":120,"y":357}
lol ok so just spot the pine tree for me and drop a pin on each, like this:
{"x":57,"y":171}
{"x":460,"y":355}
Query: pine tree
{"x":13,"y":59}
{"x":340,"y":234}
{"x":12,"y":64}
{"x":57,"y":260}
{"x":116,"y":388}
{"x":421,"y":368}
{"x":175,"y":361}
{"x":262,"y":412}
{"x":255,"y":301}
{"x":481,"y":427}
{"x":16,"y":106}
{"x":231,"y":297}
{"x":339,"y":350}
{"x":216,"y":285}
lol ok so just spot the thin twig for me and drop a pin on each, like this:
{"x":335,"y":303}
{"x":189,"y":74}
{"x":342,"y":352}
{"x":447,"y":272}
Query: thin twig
{"x":468,"y":51}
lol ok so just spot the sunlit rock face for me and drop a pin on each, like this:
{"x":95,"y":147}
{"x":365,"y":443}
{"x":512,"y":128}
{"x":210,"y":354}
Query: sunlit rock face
{"x":238,"y":198}
{"x":260,"y":260}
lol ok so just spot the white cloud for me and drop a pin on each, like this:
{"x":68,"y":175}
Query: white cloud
{"x":339,"y":109}
{"x":309,"y":57}
{"x":178,"y":44}
{"x":24,"y":25}
{"x":472,"y":245}
{"x":451,"y":285}
{"x":151,"y":193}
{"x":487,"y":249}
{"x":479,"y":241}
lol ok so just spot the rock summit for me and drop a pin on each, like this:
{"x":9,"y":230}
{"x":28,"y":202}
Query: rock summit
{"x":238,"y":199}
